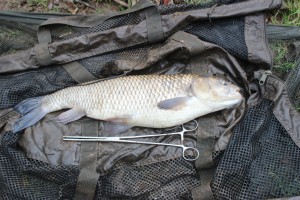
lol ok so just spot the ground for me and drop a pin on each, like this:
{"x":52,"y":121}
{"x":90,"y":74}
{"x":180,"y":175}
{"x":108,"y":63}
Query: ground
{"x":62,"y":6}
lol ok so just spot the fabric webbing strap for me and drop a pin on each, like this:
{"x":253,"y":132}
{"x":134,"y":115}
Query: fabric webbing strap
{"x":205,"y":141}
{"x":154,"y":25}
{"x":44,"y":35}
{"x":203,"y":192}
{"x":205,"y":146}
{"x":88,"y":177}
{"x":78,"y":72}
{"x":191,"y":42}
{"x":42,"y":54}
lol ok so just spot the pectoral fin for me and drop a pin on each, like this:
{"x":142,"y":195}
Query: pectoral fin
{"x":174,"y":103}
{"x":70,"y":115}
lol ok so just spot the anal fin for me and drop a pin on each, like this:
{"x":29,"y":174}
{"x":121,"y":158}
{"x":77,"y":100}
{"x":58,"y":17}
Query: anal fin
{"x":70,"y":115}
{"x":117,"y":124}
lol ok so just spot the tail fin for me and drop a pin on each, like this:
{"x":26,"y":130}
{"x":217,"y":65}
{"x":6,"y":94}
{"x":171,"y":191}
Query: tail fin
{"x":31,"y":112}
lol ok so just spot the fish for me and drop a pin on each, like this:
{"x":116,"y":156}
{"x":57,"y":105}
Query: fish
{"x":153,"y":101}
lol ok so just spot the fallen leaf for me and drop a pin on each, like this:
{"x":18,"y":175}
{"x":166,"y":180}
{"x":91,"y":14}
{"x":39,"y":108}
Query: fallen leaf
{"x":72,"y":8}
{"x":23,"y":2}
{"x":122,"y":3}
{"x":133,"y":2}
{"x":75,"y":11}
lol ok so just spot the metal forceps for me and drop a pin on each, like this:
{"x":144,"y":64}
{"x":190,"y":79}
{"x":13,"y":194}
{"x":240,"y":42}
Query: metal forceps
{"x":125,"y":139}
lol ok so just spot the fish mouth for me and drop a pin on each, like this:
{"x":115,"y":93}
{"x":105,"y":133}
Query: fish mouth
{"x":236,"y":93}
{"x":235,"y":96}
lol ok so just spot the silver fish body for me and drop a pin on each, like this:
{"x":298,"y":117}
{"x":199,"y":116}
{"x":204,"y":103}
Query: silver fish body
{"x":156,"y":101}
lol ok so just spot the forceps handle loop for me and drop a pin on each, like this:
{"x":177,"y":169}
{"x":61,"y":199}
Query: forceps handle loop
{"x":186,"y":149}
{"x":184,"y":129}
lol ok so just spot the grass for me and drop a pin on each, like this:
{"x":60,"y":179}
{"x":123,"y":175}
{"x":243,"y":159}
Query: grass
{"x":99,"y":10}
{"x":8,"y":34}
{"x":281,"y":64}
{"x":37,"y":3}
{"x":197,"y":1}
{"x":55,"y":9}
{"x":289,"y":14}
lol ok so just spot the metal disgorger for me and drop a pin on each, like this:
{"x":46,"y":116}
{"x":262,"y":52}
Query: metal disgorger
{"x":124,"y":139}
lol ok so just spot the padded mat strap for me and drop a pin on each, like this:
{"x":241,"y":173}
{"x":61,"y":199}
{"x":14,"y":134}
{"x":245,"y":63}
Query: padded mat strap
{"x":154,"y":25}
{"x":205,"y":141}
{"x":78,"y":72}
{"x":204,"y":192}
{"x":88,"y":177}
{"x":205,"y":146}
{"x":42,"y":54}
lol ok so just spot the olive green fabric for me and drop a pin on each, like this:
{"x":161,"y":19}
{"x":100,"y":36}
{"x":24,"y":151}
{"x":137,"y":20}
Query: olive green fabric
{"x":78,"y":72}
{"x":88,"y":177}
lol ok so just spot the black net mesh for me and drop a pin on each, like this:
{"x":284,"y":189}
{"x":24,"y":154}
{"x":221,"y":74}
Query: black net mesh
{"x":261,"y":160}
{"x":23,"y":178}
{"x":16,"y":36}
{"x":215,"y":31}
{"x":167,"y":9}
{"x":106,"y":64}
{"x":20,"y":86}
{"x":220,"y":32}
{"x":65,"y":32}
{"x":154,"y":181}
{"x":293,"y":83}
